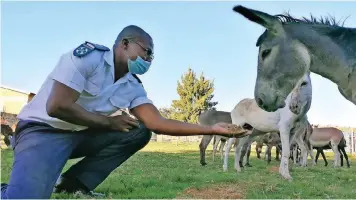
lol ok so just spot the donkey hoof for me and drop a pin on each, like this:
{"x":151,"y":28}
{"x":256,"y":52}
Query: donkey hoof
{"x":287,"y":177}
{"x":241,"y":165}
{"x":248,"y":165}
{"x":203,"y":163}
{"x":224,"y":169}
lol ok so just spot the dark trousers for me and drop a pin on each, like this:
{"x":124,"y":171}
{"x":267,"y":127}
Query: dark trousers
{"x":41,"y":151}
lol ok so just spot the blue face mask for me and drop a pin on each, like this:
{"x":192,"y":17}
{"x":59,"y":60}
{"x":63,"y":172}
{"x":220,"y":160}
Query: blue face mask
{"x":138,"y":66}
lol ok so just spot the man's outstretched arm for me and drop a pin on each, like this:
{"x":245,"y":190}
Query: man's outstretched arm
{"x":149,"y":115}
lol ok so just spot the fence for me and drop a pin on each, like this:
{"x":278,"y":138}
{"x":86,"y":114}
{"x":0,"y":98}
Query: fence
{"x":350,"y":137}
{"x":167,"y":138}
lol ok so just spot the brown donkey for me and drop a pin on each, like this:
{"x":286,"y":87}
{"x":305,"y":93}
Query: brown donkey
{"x":341,"y":148}
{"x":322,"y":138}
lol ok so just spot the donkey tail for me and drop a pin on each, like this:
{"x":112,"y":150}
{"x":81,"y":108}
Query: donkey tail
{"x":343,"y":142}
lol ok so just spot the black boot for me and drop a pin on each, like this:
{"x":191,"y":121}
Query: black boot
{"x":73,"y":186}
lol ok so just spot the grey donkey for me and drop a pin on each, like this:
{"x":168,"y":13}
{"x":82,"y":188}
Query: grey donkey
{"x":211,"y":117}
{"x":290,"y":47}
{"x":270,"y":139}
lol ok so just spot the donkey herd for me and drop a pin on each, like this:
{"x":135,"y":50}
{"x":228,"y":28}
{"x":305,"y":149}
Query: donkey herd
{"x":289,"y":50}
{"x":312,"y":138}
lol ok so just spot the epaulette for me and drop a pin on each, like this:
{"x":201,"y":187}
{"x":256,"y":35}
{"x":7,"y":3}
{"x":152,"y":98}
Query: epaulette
{"x":138,"y":79}
{"x":88,"y":47}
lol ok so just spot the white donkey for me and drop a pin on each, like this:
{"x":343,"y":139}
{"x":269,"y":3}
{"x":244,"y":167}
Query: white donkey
{"x":285,"y":119}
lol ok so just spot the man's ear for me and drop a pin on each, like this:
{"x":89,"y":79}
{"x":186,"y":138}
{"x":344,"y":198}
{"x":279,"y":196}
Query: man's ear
{"x":125,"y":42}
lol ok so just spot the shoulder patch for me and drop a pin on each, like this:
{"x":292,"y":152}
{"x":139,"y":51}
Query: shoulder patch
{"x":88,"y":47}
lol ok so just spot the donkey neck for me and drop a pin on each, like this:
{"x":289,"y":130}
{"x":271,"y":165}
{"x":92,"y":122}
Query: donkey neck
{"x":332,"y":50}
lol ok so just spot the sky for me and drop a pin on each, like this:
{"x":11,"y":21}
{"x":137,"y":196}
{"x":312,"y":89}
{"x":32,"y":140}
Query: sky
{"x":206,"y":36}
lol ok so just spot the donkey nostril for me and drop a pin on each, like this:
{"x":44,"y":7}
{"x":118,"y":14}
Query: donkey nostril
{"x":259,"y":101}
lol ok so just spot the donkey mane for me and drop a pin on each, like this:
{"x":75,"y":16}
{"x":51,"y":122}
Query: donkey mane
{"x":286,"y":18}
{"x":337,"y":31}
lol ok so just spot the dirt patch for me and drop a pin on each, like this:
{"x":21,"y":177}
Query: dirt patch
{"x":274,"y":169}
{"x":225,"y":191}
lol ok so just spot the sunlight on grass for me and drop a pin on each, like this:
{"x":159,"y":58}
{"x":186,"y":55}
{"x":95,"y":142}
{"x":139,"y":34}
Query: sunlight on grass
{"x":172,"y":170}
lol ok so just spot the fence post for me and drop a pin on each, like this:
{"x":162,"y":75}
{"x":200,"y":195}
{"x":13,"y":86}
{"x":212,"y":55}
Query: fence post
{"x":352,"y":142}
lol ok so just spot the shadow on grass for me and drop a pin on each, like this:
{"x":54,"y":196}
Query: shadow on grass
{"x":170,"y":175}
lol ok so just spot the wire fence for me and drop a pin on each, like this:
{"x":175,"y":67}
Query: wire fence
{"x":350,"y":137}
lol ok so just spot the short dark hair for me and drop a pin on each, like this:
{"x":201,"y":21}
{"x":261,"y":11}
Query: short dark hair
{"x":132,"y":32}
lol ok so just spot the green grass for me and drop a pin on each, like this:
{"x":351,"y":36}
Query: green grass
{"x":167,"y":170}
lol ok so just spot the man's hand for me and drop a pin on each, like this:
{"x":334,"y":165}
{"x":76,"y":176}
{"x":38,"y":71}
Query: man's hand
{"x":230,"y":130}
{"x":151,"y":117}
{"x":123,"y":123}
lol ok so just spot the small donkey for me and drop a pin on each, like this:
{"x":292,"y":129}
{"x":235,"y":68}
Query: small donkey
{"x":211,"y":117}
{"x":270,"y":140}
{"x":330,"y":137}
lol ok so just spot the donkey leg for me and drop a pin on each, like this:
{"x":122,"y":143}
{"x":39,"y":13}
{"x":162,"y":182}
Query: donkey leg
{"x":346,"y":157}
{"x":310,"y":150}
{"x":248,"y":156}
{"x":341,"y":158}
{"x":258,"y":151}
{"x":246,"y":149}
{"x":277,"y":152}
{"x":317,"y":155}
{"x":242,"y":156}
{"x":303,"y":149}
{"x":304,"y":155}
{"x":284,"y":168}
{"x":244,"y":152}
{"x":222,"y":145}
{"x":227,"y":150}
{"x":321,"y":151}
{"x":266,"y":154}
{"x":202,"y":146}
{"x":295,"y":152}
{"x":238,"y":152}
{"x":269,"y":149}
{"x":216,"y":143}
{"x":336,"y":154}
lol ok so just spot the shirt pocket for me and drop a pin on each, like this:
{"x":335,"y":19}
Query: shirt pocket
{"x":123,"y":96}
{"x":91,"y":88}
{"x":95,"y":81}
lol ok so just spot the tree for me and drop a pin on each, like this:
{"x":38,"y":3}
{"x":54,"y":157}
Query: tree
{"x":195,"y":97}
{"x":165,"y":112}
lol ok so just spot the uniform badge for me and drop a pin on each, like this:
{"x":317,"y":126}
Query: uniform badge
{"x":88,"y":47}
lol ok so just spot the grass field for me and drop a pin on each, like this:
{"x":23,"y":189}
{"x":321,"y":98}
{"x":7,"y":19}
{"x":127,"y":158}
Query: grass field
{"x":166,"y":170}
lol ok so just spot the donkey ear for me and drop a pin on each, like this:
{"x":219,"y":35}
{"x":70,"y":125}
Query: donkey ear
{"x":271,"y":23}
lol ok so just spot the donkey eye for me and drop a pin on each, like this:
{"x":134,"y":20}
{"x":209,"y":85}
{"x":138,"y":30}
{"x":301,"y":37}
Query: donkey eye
{"x":304,"y":83}
{"x":265,"y":53}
